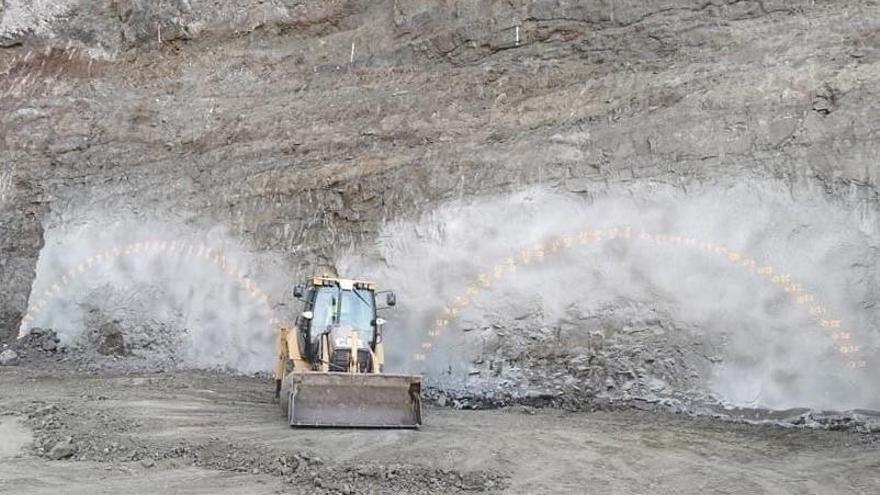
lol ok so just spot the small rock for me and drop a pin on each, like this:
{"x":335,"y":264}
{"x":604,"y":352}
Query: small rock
{"x":51,"y":408}
{"x":148,"y":462}
{"x":656,"y":385}
{"x":822,"y":105}
{"x":825,"y":100}
{"x":112,"y":340}
{"x":579,"y":185}
{"x":62,"y":450}
{"x":368,"y":471}
{"x":8,"y":358}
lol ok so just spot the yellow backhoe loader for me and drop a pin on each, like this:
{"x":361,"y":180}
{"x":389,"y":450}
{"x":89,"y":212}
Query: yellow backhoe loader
{"x":329,"y":370}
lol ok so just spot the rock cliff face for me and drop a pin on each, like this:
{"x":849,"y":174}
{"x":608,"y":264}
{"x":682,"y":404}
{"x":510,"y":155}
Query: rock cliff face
{"x":181,"y":162}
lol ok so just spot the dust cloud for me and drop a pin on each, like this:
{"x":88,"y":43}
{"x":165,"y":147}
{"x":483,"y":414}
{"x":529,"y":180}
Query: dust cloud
{"x":201,"y":296}
{"x":173,"y":292}
{"x":771,"y":352}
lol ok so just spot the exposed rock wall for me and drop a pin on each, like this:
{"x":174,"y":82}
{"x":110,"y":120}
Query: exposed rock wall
{"x":301,"y":128}
{"x":21,"y":215}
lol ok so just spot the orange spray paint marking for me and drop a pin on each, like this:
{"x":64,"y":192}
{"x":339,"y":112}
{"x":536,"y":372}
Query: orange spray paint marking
{"x":818,"y":312}
{"x":140,"y":249}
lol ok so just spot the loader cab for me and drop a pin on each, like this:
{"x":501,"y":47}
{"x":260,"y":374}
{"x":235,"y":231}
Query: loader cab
{"x":330,"y":303}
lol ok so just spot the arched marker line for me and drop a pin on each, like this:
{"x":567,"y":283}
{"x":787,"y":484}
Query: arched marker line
{"x":842,"y":338}
{"x":144,"y":249}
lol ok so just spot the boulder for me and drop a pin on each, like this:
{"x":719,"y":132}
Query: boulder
{"x":62,"y":450}
{"x":8,"y":358}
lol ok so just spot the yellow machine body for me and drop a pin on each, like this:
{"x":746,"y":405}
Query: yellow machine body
{"x":329,"y":367}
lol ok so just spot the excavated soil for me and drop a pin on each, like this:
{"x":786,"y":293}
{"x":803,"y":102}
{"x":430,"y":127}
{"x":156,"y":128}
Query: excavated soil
{"x":198,"y":432}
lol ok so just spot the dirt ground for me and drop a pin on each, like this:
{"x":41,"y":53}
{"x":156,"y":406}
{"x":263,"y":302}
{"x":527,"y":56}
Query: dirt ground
{"x":197,"y":432}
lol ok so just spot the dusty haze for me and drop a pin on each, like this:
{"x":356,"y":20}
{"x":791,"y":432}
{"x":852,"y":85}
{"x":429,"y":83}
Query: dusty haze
{"x":211,"y":302}
{"x":769,"y":351}
{"x":191,"y":294}
{"x":418,"y":143}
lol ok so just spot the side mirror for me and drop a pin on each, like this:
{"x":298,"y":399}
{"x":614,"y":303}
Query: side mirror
{"x":307,"y":315}
{"x":390,"y":299}
{"x":298,"y":291}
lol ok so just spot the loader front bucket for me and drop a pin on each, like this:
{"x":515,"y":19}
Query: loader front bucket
{"x":354,"y":400}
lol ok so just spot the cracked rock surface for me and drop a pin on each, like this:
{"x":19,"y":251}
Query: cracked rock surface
{"x":291,"y":132}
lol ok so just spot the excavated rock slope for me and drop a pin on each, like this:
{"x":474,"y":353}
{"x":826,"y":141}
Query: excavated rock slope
{"x":175,"y":165}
